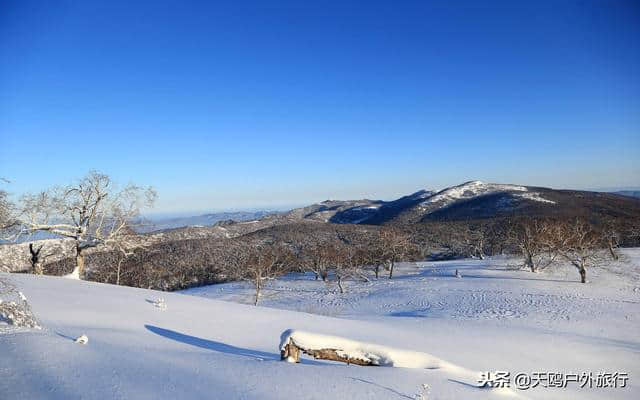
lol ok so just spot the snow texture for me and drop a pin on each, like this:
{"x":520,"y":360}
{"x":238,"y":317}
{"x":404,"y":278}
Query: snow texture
{"x":496,"y":318}
{"x":471,"y":189}
{"x":535,"y":197}
{"x":15,"y":311}
{"x":376,"y":354}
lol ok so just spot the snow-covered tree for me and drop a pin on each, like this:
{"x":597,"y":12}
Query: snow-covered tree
{"x":92,"y":212}
{"x":7,"y":209}
{"x":15,"y":310}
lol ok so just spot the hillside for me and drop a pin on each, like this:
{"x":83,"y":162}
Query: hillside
{"x":491,"y":319}
{"x":162,"y":224}
{"x":472,"y":200}
{"x":476,"y":200}
{"x":629,"y":193}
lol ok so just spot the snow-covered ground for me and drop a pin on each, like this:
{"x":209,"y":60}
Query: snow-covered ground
{"x":199,"y":346}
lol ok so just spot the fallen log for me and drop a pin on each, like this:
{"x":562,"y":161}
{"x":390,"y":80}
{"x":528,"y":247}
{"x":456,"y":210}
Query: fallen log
{"x":291,"y":353}
{"x":293,"y":343}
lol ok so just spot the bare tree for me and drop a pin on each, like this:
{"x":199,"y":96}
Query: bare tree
{"x":124,"y":246}
{"x":7,"y":210}
{"x":375,"y":257}
{"x":497,"y":237}
{"x":579,"y":244}
{"x":92,"y":212}
{"x":475,"y":241}
{"x":318,"y":258}
{"x":259,"y":263}
{"x":611,"y":237}
{"x":350,"y":259}
{"x":535,"y":240}
{"x":395,"y":246}
{"x":460,"y":239}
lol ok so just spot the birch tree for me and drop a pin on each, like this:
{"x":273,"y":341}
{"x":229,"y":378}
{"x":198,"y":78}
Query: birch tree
{"x":92,"y":212}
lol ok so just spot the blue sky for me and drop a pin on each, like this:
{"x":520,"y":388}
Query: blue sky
{"x":236,"y":105}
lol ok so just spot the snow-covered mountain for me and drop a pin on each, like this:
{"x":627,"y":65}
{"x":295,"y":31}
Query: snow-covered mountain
{"x":468,"y":201}
{"x":337,"y":211}
{"x":471,"y":200}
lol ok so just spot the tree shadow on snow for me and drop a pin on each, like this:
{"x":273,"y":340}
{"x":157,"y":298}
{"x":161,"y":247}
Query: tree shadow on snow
{"x":218,"y":346}
{"x":411,"y":314}
{"x":65,"y":336}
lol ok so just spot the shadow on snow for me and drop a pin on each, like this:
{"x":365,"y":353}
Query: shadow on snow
{"x":218,"y":346}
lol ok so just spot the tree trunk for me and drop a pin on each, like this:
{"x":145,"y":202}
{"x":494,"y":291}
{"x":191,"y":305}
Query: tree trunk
{"x":531,"y":264}
{"x":391,"y":265}
{"x":291,"y":352}
{"x":583,"y":274}
{"x":118,"y":271}
{"x":480,"y":252}
{"x":36,"y":263}
{"x":37,"y":268}
{"x":80,"y":261}
{"x":340,"y":285}
{"x":614,"y":255}
{"x":258,"y":288}
{"x":377,"y":271}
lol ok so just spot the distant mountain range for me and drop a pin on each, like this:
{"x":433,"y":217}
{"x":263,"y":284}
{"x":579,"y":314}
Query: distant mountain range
{"x":162,"y":224}
{"x":470,"y":200}
{"x":629,"y":193}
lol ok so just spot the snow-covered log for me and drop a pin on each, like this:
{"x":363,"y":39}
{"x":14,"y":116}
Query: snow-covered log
{"x":334,"y":348}
{"x":294,"y":342}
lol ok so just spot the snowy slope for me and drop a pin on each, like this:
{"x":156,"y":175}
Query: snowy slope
{"x":474,"y":189}
{"x":196,"y":348}
{"x":470,"y":189}
{"x":493,"y":316}
{"x":490,"y":319}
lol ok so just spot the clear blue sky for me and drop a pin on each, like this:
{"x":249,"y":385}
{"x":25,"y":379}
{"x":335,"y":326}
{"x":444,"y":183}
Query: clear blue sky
{"x":248,"y":104}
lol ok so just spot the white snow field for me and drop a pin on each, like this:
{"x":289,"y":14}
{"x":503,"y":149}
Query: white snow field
{"x":206,"y":345}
